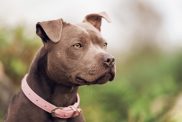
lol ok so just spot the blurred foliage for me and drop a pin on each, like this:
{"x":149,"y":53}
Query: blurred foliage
{"x":143,"y":91}
{"x":16,"y":51}
{"x":145,"y":88}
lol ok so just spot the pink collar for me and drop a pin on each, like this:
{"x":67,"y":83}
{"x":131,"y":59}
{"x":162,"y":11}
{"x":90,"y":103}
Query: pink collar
{"x":60,"y":112}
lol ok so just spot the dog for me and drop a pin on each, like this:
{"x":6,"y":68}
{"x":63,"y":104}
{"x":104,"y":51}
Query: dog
{"x":72,"y":55}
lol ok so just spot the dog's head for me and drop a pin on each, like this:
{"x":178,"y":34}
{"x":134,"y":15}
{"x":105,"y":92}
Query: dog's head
{"x":76,"y":53}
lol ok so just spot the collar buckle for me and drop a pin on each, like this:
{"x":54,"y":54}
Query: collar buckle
{"x":53,"y":111}
{"x":71,"y":111}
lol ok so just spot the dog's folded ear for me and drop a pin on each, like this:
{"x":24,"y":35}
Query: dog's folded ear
{"x":96,"y":19}
{"x":50,"y":30}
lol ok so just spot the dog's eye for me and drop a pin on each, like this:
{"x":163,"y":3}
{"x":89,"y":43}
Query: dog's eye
{"x":77,"y":45}
{"x":105,"y":44}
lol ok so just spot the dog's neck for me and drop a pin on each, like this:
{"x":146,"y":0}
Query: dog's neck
{"x":58,"y":94}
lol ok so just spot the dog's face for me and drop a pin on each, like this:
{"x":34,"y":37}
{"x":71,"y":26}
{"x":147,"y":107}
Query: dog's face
{"x":77,"y":53}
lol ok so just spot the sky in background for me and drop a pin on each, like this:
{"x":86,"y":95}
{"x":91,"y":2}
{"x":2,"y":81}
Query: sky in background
{"x":29,"y":12}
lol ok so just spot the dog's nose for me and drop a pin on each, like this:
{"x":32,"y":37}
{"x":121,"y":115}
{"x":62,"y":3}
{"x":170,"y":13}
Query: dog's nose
{"x":109,"y":60}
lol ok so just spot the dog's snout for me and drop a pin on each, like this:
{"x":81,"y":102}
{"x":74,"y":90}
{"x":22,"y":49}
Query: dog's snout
{"x":109,"y":60}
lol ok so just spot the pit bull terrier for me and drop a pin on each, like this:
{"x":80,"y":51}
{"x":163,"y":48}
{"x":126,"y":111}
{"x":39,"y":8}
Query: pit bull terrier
{"x":72,"y":55}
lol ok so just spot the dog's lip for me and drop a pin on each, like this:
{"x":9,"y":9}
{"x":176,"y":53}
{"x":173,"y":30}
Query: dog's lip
{"x":112,"y":76}
{"x":81,"y":80}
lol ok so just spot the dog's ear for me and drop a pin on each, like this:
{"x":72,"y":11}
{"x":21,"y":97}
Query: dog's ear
{"x":50,"y":30}
{"x":96,"y":19}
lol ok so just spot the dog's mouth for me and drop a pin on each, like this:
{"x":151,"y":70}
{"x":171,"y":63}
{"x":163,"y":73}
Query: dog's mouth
{"x":108,"y":76}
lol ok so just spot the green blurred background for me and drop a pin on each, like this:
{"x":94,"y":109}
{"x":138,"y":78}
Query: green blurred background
{"x":147,"y":87}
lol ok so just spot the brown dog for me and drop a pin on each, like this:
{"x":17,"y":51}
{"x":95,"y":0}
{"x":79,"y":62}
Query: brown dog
{"x":72,"y":55}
